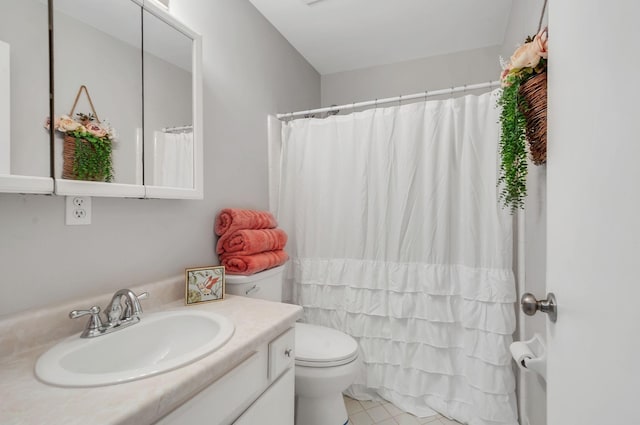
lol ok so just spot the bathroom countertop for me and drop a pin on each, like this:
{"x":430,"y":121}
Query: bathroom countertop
{"x":26,"y":400}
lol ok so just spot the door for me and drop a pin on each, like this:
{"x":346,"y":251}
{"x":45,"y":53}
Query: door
{"x":593,"y":232}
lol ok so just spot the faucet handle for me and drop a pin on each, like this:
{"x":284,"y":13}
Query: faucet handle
{"x":94,"y":325}
{"x":79,"y":313}
{"x":143,"y":296}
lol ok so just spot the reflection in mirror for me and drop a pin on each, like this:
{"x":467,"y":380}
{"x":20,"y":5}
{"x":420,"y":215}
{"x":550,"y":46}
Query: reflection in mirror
{"x":168,"y":115}
{"x":24,"y":88}
{"x":97,"y":44}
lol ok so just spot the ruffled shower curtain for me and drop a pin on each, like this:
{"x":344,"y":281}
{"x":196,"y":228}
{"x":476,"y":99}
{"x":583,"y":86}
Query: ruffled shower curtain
{"x":173,"y":159}
{"x":397,"y":237}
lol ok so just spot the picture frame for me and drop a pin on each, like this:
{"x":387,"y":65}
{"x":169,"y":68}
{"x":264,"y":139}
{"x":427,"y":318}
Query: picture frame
{"x":204,"y":284}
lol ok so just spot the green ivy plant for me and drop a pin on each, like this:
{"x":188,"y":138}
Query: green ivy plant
{"x":92,"y":160}
{"x":528,"y":60}
{"x":513,"y":148}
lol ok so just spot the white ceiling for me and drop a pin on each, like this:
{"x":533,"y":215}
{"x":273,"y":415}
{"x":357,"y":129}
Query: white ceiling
{"x":341,"y":35}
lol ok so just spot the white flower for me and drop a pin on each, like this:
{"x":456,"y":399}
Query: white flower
{"x":67,"y":124}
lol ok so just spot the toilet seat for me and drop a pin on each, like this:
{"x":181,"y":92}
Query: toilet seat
{"x":319,"y":346}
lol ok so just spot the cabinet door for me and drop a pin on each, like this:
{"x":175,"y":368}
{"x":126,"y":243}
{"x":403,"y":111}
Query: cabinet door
{"x":281,"y":354}
{"x":225,"y":399}
{"x":275,"y":406}
{"x":24,"y":97}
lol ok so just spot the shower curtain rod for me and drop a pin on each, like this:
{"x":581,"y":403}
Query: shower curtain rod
{"x":377,"y":102}
{"x":178,"y":129}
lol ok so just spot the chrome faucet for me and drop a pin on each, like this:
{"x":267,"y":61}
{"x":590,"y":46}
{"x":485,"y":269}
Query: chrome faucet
{"x":117,"y":317}
{"x":132,"y":308}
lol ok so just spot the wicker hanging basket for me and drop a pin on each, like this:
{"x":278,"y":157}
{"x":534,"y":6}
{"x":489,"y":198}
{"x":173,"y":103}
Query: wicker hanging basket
{"x":534,"y":91}
{"x":68,"y":155}
{"x":70,"y":143}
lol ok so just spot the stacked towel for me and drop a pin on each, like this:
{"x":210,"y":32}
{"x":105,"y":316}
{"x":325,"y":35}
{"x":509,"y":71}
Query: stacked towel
{"x":231,"y":219}
{"x":249,"y":241}
{"x":250,"y":264}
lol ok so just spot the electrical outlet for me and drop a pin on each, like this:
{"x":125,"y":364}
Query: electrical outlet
{"x":78,"y":210}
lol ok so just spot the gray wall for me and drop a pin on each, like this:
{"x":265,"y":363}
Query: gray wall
{"x":249,"y":72}
{"x":438,"y":72}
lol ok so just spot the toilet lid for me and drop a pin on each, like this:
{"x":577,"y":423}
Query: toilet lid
{"x":319,"y":346}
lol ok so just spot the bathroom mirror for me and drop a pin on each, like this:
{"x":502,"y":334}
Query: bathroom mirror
{"x":140,"y":68}
{"x":98,"y":46}
{"x":168,"y":118}
{"x":24,"y":97}
{"x":173,"y":148}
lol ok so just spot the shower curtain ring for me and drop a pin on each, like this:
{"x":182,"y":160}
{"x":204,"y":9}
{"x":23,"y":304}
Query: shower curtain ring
{"x":426,"y":94}
{"x":400,"y":100}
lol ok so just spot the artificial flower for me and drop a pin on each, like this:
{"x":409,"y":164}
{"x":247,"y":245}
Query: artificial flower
{"x":503,"y":77}
{"x":82,"y":124}
{"x":541,"y":39}
{"x":526,"y":57}
{"x":47,"y":123}
{"x":95,"y":129}
{"x":67,"y":124}
{"x":529,"y":54}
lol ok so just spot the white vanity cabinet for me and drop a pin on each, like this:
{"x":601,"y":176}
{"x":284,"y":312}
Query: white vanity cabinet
{"x":275,"y":406}
{"x":258,"y":391}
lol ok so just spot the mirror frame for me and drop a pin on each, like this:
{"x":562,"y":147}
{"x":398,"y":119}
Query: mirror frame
{"x":87,"y":188}
{"x":14,"y":183}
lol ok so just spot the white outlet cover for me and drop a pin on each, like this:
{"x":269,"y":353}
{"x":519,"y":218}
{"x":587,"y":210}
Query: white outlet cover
{"x":78,"y":210}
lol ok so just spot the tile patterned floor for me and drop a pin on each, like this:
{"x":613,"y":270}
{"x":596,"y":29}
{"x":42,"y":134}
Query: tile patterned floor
{"x":385,"y":413}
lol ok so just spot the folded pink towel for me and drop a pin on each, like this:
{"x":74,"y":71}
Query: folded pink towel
{"x":232,"y":219}
{"x":247,"y":241}
{"x":250,"y":264}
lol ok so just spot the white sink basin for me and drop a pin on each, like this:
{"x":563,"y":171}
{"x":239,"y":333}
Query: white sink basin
{"x":158,"y":343}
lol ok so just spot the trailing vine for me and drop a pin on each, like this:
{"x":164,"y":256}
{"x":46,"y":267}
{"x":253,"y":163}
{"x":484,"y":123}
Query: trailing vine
{"x":513,"y":150}
{"x":92,"y":159}
{"x":529,"y":60}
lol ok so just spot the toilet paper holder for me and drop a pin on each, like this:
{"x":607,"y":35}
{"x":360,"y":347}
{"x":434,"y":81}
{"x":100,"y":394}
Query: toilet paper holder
{"x":531,"y":355}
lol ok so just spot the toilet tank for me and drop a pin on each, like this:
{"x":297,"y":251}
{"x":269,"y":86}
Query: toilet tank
{"x":266,"y":285}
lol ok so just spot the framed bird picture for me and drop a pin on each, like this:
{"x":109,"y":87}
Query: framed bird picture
{"x":204,"y":284}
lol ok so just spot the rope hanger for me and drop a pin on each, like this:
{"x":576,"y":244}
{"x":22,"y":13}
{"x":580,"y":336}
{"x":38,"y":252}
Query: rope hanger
{"x":75,"y":102}
{"x":544,"y":8}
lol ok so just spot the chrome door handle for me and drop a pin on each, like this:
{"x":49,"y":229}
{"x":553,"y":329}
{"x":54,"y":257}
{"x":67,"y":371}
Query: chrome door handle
{"x":530,"y":305}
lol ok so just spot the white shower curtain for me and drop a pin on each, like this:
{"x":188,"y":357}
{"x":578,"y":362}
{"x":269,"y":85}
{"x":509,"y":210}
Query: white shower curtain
{"x":397,"y":237}
{"x":173,"y":159}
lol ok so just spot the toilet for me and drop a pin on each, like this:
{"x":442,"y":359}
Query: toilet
{"x":326,"y":359}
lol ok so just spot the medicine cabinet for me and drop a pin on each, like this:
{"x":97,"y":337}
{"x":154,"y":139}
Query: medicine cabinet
{"x":128,"y":66}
